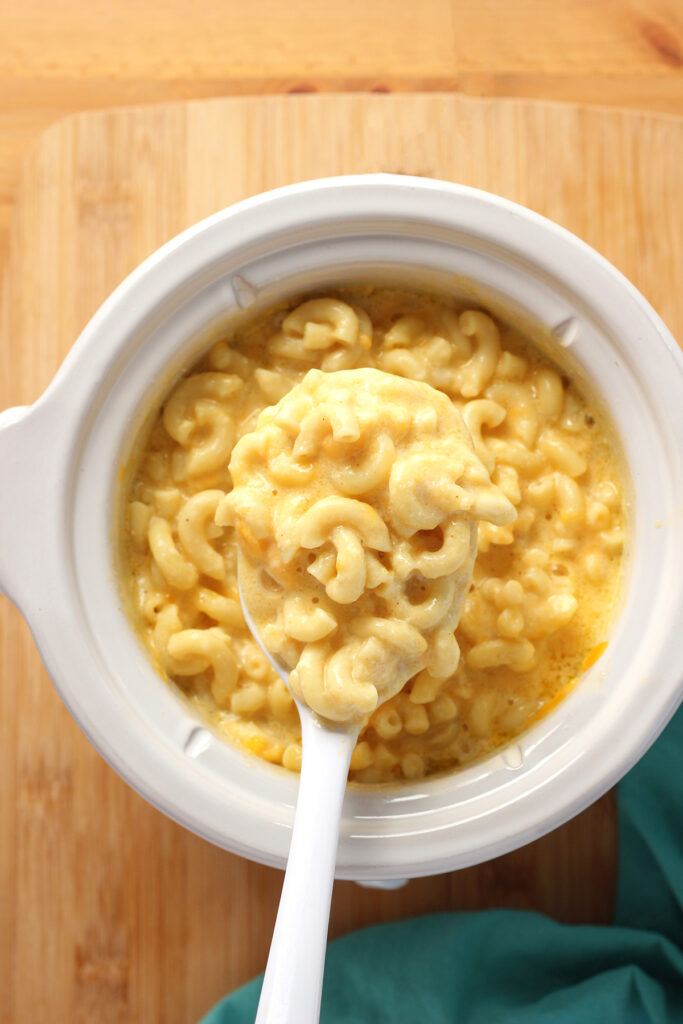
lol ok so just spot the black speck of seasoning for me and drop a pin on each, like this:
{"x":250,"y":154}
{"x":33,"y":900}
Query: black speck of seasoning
{"x":590,"y":422}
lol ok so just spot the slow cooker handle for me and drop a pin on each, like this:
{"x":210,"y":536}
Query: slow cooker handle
{"x":21,"y":508}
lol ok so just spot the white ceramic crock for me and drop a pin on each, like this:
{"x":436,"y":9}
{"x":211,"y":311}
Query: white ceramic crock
{"x":59,"y":467}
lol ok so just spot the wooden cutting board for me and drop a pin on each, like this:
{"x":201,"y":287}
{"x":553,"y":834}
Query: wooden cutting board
{"x":108,"y":911}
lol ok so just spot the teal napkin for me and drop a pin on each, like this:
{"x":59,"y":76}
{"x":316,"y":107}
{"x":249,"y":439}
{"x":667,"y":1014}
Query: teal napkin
{"x":519,"y":967}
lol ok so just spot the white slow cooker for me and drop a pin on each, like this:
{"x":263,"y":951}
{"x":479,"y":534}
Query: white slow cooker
{"x":61,"y":461}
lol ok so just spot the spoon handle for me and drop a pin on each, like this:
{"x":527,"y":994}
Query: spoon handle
{"x":292,"y":984}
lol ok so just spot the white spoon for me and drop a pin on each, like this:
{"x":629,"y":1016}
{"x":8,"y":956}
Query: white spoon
{"x":292,"y":985}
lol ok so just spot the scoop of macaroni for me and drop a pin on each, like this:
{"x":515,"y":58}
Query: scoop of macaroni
{"x":356,"y":501}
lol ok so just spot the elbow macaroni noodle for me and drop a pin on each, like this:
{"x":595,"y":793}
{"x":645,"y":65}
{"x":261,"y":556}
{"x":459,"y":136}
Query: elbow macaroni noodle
{"x":543,"y":586}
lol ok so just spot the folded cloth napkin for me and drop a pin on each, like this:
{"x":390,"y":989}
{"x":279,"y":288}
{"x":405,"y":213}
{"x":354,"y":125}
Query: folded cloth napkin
{"x":519,"y":967}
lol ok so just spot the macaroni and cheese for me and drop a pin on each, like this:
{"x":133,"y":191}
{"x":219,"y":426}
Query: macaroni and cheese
{"x":544,"y":584}
{"x":356,"y":501}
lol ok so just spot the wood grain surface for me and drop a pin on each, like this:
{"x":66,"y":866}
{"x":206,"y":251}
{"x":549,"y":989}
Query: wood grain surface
{"x":108,"y":911}
{"x":58,"y":59}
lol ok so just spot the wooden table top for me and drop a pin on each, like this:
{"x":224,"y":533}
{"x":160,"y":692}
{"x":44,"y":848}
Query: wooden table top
{"x":101,"y":54}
